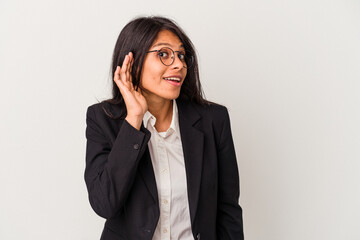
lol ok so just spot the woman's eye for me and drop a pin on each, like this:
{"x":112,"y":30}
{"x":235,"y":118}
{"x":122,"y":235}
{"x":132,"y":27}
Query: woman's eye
{"x":163,"y":54}
{"x":181,"y":56}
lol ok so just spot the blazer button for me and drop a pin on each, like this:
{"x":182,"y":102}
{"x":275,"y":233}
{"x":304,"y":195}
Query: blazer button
{"x":136,"y":146}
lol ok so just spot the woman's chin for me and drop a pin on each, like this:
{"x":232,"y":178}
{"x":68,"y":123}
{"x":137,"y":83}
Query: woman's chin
{"x":168,"y":95}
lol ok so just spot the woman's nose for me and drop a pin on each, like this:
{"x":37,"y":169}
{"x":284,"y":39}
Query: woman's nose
{"x":178,"y":63}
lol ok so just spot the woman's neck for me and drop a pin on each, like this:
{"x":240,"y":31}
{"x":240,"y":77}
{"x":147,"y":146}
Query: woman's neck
{"x":162,"y":111}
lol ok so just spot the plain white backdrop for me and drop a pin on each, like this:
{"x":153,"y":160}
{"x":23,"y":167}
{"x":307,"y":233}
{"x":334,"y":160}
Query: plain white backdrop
{"x":288,"y":71}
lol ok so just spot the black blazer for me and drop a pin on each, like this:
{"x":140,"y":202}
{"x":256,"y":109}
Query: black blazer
{"x":121,"y":181}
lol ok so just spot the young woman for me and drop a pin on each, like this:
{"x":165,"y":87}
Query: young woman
{"x":160,"y":160}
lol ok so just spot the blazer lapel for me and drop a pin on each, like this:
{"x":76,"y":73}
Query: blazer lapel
{"x":193,"y":145}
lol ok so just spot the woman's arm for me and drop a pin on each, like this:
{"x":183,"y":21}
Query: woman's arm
{"x":110,"y":171}
{"x":229,"y":213}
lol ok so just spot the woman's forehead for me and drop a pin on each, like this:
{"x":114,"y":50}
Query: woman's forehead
{"x":167,"y":38}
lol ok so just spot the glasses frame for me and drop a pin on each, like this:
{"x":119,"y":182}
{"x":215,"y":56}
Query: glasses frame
{"x":188,"y":56}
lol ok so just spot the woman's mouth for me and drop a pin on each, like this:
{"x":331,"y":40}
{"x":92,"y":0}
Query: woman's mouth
{"x":176,"y":81}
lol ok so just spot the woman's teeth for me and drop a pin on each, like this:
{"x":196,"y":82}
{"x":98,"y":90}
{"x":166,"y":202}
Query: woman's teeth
{"x":173,"y":79}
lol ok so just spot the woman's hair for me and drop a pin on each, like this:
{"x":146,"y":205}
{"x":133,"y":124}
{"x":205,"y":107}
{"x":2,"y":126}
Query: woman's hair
{"x":137,"y":37}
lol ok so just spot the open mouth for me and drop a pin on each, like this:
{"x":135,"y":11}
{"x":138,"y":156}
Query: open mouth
{"x":173,"y":79}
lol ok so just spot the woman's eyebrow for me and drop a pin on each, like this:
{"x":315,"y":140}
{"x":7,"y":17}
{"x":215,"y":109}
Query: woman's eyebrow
{"x":166,"y":44}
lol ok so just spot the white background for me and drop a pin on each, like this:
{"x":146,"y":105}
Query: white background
{"x":288,"y":71}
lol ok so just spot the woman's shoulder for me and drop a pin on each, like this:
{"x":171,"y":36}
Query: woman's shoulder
{"x":211,"y":109}
{"x":94,"y":107}
{"x":213,"y":116}
{"x":208,"y":111}
{"x":104,"y":118}
{"x":105,"y":109}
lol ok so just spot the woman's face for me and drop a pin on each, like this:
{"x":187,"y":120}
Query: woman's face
{"x":154,"y":78}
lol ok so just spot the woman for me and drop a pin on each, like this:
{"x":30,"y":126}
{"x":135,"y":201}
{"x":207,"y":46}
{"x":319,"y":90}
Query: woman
{"x":160,"y":160}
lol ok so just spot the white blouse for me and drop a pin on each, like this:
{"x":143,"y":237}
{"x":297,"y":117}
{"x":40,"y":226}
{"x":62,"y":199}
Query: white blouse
{"x":168,"y":162}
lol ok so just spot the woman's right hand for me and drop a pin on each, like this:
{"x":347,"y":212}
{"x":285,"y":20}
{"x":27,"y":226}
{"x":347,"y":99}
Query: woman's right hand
{"x":135,"y":102}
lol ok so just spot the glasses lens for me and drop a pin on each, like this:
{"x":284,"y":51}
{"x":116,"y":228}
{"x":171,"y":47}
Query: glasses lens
{"x":188,"y":59}
{"x":166,"y":56}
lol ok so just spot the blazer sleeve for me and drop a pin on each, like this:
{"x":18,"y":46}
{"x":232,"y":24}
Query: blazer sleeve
{"x":229,"y":212}
{"x":111,"y":167}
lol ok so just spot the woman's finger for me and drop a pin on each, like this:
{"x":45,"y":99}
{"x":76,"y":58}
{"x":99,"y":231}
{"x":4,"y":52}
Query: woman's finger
{"x":117,"y":74}
{"x":124,"y":69}
{"x":131,"y":66}
{"x":131,"y":58}
{"x":120,"y":85}
{"x":117,"y":78}
{"x":131,"y":63}
{"x":128,"y":67}
{"x":139,"y":90}
{"x":123,"y":76}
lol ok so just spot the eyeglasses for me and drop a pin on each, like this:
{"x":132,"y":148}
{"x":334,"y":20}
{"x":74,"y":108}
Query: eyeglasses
{"x":167,"y":56}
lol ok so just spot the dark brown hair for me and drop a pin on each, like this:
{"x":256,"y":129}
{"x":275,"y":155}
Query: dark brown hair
{"x":137,"y":37}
